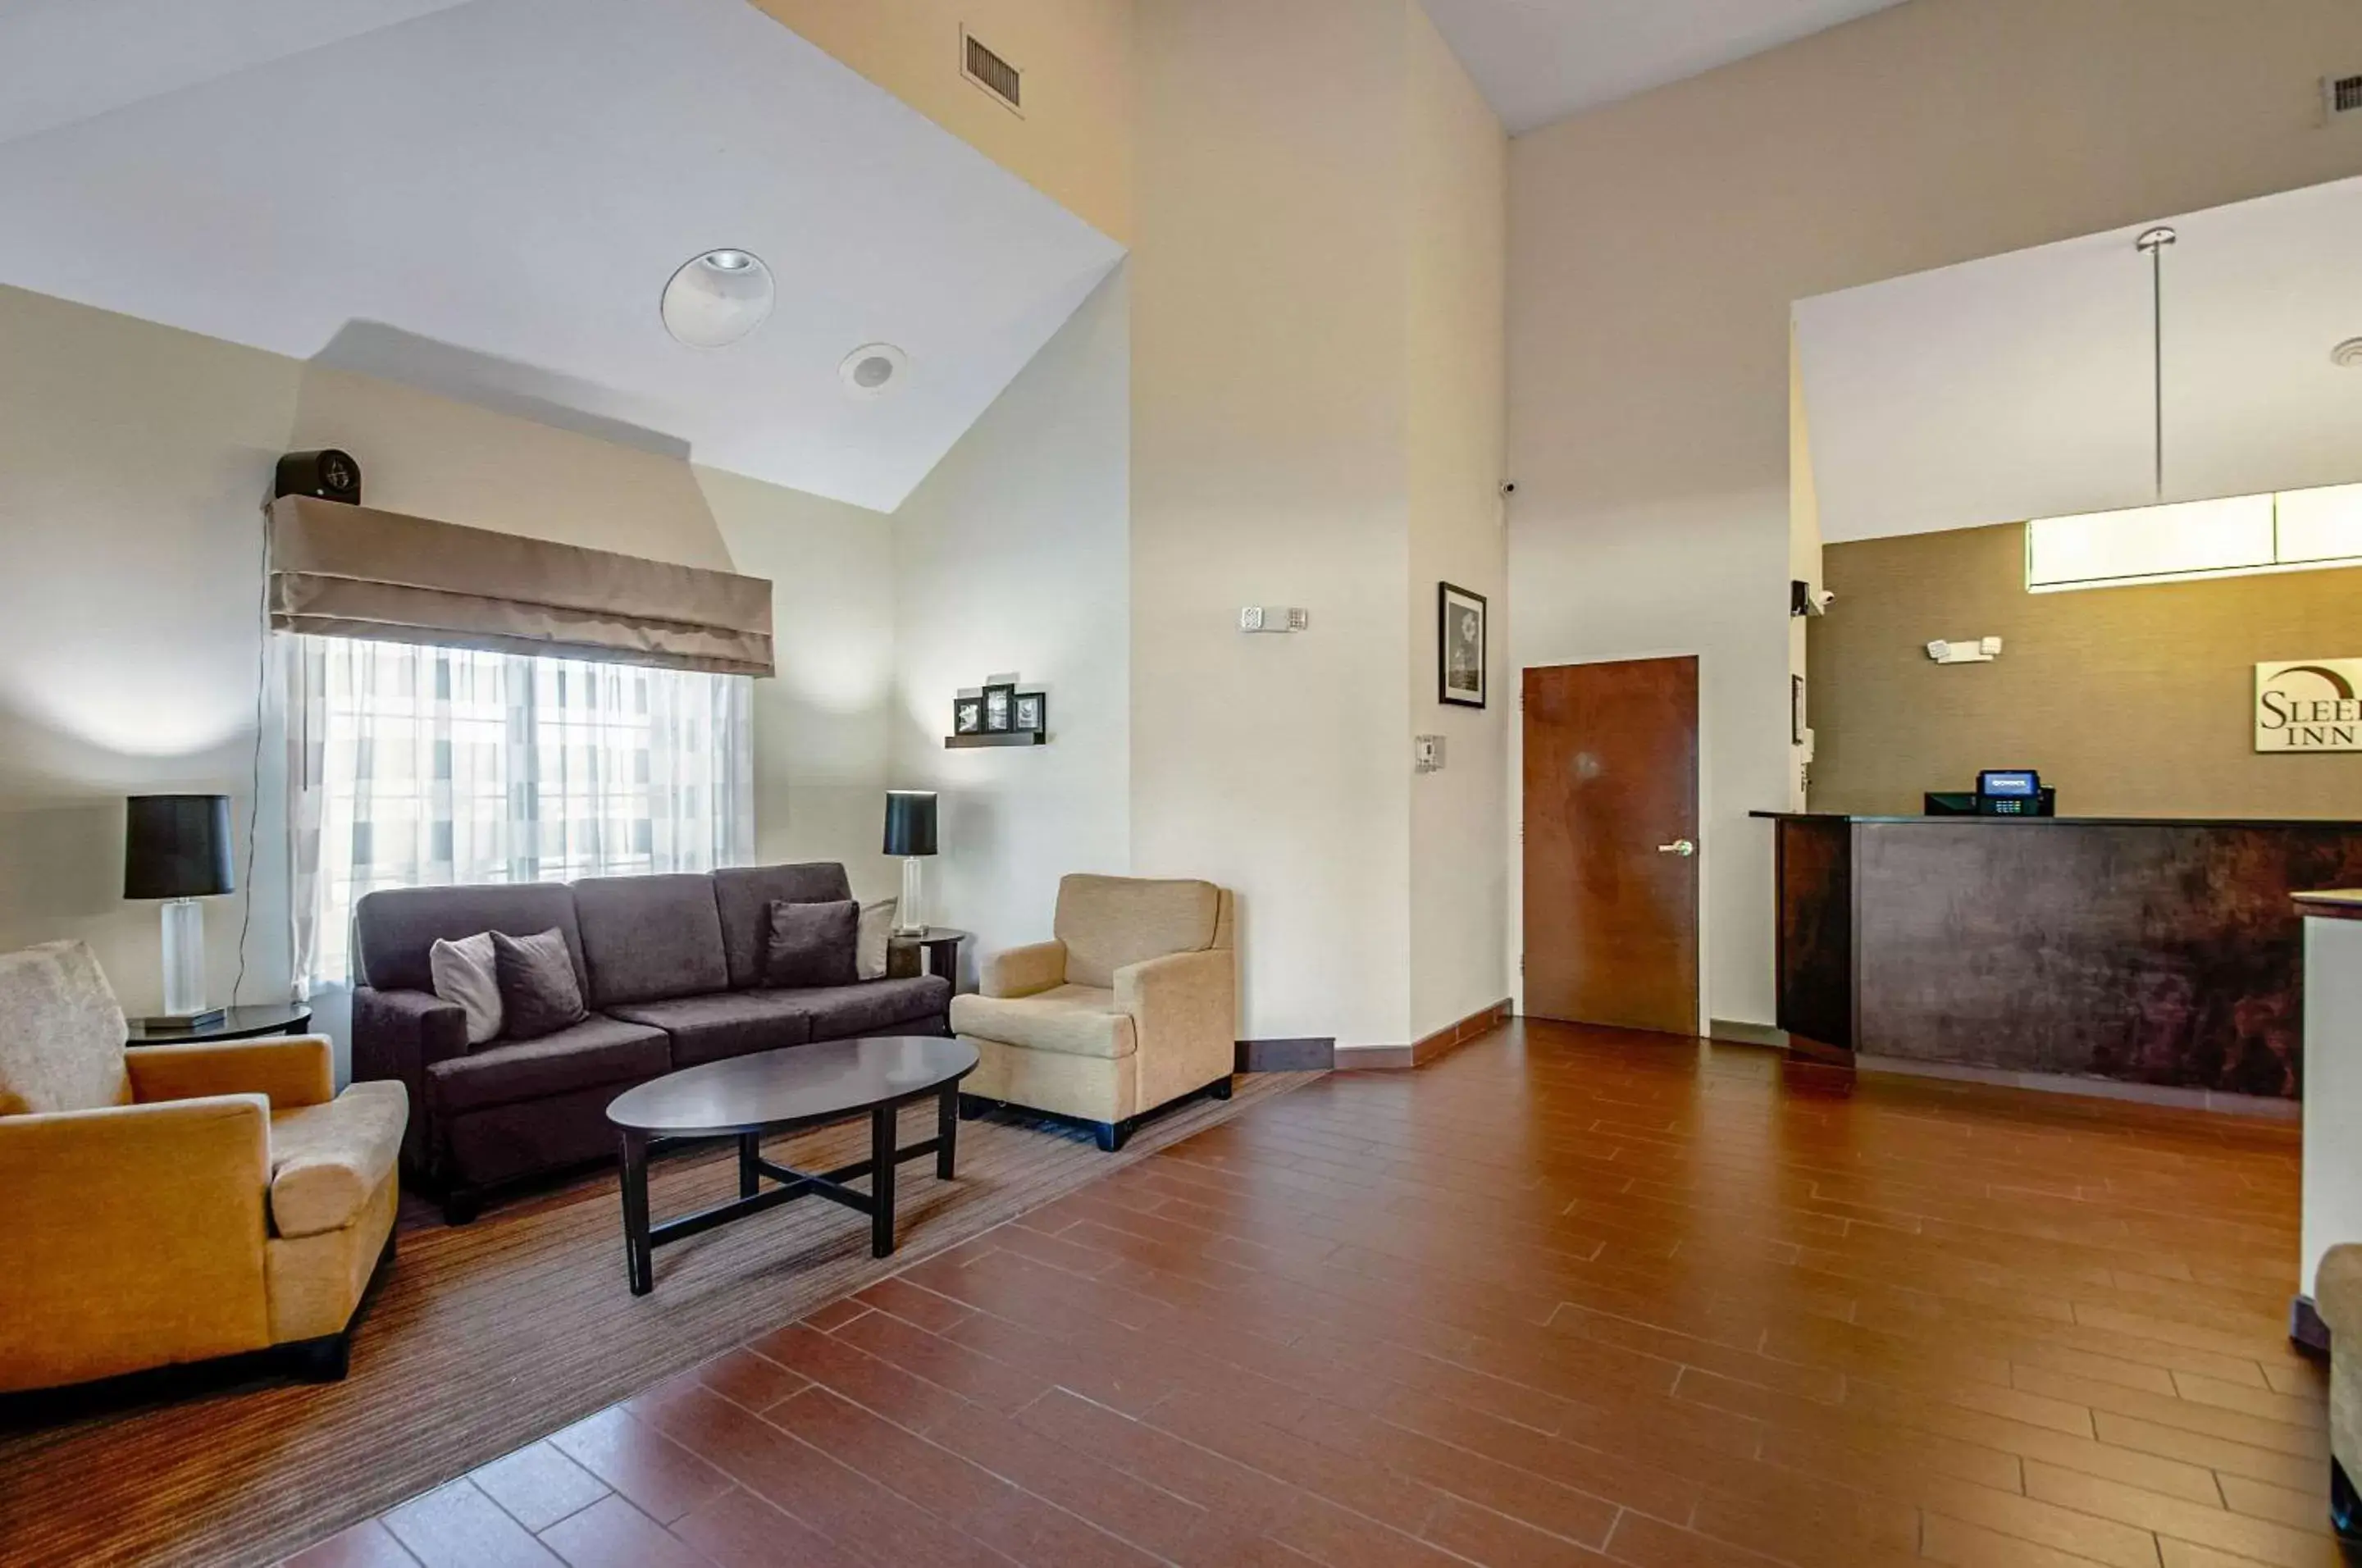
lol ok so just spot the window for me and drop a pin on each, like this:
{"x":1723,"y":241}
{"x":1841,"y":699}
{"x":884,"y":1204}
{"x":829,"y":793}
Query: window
{"x":418,"y":766}
{"x":2296,"y":530}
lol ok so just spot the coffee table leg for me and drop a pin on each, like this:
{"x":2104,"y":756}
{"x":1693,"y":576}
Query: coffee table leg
{"x":882,"y":1137}
{"x":750,"y":1151}
{"x":946,"y":1133}
{"x":639,"y":1262}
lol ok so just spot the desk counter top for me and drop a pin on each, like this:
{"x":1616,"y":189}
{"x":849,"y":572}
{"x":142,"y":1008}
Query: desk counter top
{"x":2344,"y":903}
{"x":2062,"y":822}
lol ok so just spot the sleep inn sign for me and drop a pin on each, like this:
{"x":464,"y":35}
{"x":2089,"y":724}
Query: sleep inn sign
{"x":2310,"y":706}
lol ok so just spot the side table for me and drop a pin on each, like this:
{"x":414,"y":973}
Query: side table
{"x":941,"y":945}
{"x":239,"y":1024}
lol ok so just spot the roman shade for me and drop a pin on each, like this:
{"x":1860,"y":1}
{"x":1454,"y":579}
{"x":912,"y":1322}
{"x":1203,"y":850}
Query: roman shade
{"x":353,"y":571}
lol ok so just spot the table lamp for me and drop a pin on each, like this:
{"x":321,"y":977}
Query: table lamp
{"x":911,"y":833}
{"x":177,"y":848}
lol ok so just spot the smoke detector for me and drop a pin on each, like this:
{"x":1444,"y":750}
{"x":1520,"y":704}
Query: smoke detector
{"x":2348,"y":356}
{"x":872,"y":370}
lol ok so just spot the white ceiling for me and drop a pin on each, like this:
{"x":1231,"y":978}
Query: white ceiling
{"x":1539,"y":61}
{"x":485,"y":199}
{"x":2021,"y":386}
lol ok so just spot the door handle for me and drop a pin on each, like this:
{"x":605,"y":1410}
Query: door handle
{"x":1680,"y":847}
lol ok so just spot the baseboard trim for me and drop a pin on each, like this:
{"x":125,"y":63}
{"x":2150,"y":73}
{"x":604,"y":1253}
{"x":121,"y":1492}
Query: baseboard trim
{"x":1734,"y":1032}
{"x":2268,"y":1108}
{"x":1310,"y":1055}
{"x":1449,"y":1038}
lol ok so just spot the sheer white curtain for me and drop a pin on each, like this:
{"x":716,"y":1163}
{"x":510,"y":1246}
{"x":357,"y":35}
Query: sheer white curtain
{"x":412,"y":767}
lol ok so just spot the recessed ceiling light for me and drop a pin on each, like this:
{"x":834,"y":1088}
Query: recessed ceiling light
{"x":873,"y":370}
{"x":717,"y":298}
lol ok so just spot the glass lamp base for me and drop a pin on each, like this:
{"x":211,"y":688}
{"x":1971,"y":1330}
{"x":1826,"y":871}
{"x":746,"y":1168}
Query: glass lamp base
{"x":910,"y":910}
{"x":184,"y":959}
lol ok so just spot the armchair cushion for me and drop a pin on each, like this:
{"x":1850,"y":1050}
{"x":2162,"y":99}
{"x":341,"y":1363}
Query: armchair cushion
{"x":1074,"y":1020}
{"x":327,"y":1159}
{"x":61,"y":1032}
{"x":291,"y":1072}
{"x":1110,"y":922}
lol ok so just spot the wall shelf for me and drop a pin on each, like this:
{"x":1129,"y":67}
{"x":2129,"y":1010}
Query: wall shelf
{"x":1011,"y":738}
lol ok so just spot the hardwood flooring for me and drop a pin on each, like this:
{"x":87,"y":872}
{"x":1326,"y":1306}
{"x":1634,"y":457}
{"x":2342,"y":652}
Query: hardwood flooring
{"x":1563,"y":1298}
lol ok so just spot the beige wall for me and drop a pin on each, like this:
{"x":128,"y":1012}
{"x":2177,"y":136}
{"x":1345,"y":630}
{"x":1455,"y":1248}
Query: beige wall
{"x":1013,"y":557}
{"x":1279,"y":300}
{"x":1656,"y":245}
{"x":1073,"y":141}
{"x":2134,"y":701}
{"x":134,"y":459}
{"x":1458,"y":161}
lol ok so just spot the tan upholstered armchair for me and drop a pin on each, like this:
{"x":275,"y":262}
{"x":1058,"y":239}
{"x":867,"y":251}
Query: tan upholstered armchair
{"x":176,"y":1202}
{"x":2337,"y":1297}
{"x":1132,"y":1007}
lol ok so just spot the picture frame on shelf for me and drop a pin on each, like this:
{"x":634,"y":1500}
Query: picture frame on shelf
{"x":968,"y":715}
{"x":1460,"y":676}
{"x":999,"y":705}
{"x":1030,"y":713}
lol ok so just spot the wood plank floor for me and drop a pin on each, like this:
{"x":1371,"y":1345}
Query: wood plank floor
{"x":1563,"y":1298}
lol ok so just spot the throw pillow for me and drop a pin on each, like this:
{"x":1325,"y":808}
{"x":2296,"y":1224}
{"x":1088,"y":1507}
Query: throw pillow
{"x":811,"y":944}
{"x":539,"y":992}
{"x":877,"y":925}
{"x":466,"y":975}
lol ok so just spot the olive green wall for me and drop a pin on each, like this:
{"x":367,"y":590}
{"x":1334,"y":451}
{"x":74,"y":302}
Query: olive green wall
{"x":2132,"y":701}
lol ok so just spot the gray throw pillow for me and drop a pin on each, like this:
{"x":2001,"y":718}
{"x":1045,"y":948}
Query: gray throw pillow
{"x":539,"y":992}
{"x":811,"y":944}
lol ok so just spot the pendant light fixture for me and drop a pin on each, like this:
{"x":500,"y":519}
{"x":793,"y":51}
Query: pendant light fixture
{"x":2154,"y":243}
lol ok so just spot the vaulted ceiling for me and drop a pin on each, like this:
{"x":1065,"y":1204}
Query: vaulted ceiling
{"x":1539,"y":61}
{"x":485,"y":198}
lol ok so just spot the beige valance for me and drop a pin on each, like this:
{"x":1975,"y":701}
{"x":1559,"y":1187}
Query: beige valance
{"x":354,"y":571}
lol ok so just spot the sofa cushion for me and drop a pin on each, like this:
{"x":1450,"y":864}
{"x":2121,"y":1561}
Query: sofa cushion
{"x":396,"y":929}
{"x":466,"y":975}
{"x":538,"y":992}
{"x":595,"y":1051}
{"x":744,"y":894}
{"x":811,"y":944}
{"x":1076,"y":1021}
{"x":326,"y":1160}
{"x":61,"y":1032}
{"x":726,"y":1023}
{"x":1110,"y":922}
{"x":872,"y":1007}
{"x":646,"y":938}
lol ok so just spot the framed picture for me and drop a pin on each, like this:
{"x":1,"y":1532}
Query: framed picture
{"x":998,"y":702}
{"x":968,"y":715}
{"x":1459,"y":675}
{"x":1032,"y":713}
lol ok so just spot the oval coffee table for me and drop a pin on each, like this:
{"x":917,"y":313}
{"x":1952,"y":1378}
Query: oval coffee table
{"x":800,"y":1086}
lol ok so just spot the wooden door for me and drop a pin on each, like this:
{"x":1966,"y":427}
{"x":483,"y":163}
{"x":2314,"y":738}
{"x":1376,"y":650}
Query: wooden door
{"x":1611,"y":827}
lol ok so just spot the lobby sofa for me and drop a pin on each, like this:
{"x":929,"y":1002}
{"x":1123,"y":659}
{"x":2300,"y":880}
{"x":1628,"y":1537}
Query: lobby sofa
{"x":175,"y":1203}
{"x":1133,"y":1006}
{"x":670,"y":967}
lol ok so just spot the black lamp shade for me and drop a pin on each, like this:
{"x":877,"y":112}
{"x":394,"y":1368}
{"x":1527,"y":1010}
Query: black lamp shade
{"x":176,"y":847}
{"x":910,"y":822}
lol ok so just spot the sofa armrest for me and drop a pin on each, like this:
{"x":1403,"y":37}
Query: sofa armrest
{"x":297,"y":1071}
{"x":399,"y":1034}
{"x":1183,"y":1010}
{"x":1022,"y":971}
{"x":136,"y":1237}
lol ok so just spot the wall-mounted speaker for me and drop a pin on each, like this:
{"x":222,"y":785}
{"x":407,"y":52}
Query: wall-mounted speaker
{"x":327,"y":473}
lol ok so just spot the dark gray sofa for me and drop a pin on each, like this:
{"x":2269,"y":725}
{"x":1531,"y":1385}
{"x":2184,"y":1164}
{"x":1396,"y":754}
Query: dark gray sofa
{"x":671,"y":968}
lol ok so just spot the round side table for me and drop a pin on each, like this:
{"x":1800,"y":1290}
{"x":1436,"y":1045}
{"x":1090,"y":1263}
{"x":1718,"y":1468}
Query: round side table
{"x":941,"y":944}
{"x":239,"y":1024}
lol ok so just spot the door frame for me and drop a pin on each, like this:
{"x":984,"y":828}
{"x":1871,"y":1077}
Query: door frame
{"x":1707,"y":838}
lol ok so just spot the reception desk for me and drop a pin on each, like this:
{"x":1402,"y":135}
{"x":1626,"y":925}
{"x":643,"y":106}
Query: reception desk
{"x":2147,"y":950}
{"x":2333,"y":1090}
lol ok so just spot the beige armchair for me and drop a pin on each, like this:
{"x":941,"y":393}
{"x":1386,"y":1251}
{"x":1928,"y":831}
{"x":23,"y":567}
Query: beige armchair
{"x":2337,"y":1297}
{"x":176,"y":1202}
{"x":1132,"y":1007}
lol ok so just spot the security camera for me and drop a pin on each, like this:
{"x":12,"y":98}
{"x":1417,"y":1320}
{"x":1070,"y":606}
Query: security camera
{"x":1817,"y":602}
{"x":1804,"y":599}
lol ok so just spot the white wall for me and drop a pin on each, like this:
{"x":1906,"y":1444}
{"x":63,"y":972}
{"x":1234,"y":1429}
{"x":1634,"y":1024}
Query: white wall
{"x":1656,"y":246}
{"x":1013,"y":557}
{"x":1460,"y":834}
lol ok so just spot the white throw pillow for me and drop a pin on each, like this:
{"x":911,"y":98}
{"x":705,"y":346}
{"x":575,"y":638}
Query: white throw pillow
{"x":869,"y":947}
{"x":465,"y":977}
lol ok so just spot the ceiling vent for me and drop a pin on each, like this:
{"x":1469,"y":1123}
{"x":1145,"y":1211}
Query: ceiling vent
{"x":992,"y":73}
{"x":2340,"y":97}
